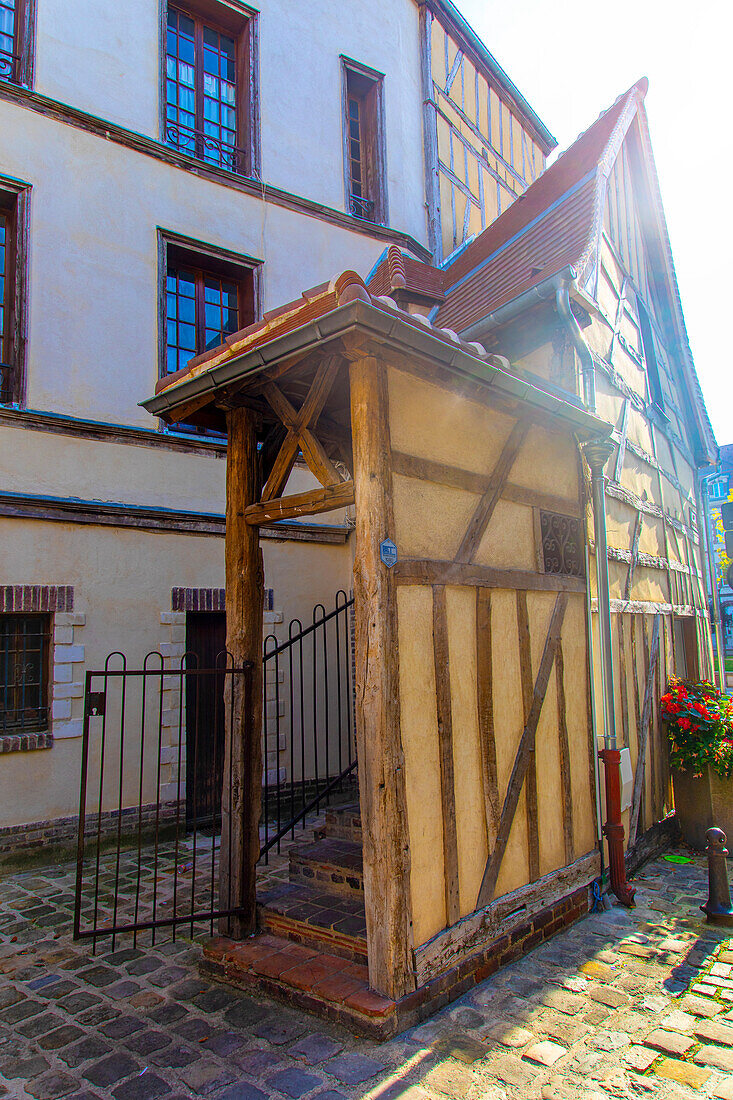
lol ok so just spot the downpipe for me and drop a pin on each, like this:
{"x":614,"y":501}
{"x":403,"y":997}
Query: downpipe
{"x":575,"y":332}
{"x":597,"y":455}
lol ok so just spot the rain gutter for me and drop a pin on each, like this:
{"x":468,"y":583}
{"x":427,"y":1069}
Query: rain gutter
{"x":387,"y":327}
{"x":557,"y":287}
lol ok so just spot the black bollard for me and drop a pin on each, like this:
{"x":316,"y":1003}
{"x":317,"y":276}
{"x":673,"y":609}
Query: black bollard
{"x":717,"y":907}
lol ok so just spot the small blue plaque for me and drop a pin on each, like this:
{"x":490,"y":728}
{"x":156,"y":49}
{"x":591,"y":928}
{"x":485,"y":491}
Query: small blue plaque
{"x":388,"y":553}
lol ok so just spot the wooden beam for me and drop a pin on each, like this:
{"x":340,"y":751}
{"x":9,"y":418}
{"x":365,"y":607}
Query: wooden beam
{"x":522,"y":759}
{"x":426,"y":469}
{"x":427,"y":571}
{"x":634,"y":555}
{"x":311,"y":503}
{"x":565,"y":775}
{"x":478,"y":930}
{"x":643,"y":734}
{"x":445,"y":752}
{"x":378,"y":735}
{"x":530,"y":787}
{"x":485,"y":703}
{"x":624,"y":431}
{"x":485,"y":507}
{"x":242,"y":783}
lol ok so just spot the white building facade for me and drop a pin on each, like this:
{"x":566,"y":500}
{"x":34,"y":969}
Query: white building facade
{"x":168,"y":173}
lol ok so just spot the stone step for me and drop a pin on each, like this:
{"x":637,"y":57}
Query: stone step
{"x":342,"y":823}
{"x":311,"y":916}
{"x":332,"y":864}
{"x":316,"y":980}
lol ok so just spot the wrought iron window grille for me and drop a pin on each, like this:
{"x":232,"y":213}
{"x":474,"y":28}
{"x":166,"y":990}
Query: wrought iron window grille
{"x":205,"y":147}
{"x":9,"y":64}
{"x":362,"y":208}
{"x":563,"y":550}
{"x":24,"y":673}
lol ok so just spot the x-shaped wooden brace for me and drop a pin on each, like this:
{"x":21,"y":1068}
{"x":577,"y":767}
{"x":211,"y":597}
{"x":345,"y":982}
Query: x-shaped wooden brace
{"x":300,"y":437}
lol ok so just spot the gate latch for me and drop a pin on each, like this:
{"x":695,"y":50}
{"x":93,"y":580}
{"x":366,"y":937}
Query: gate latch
{"x":95,"y":703}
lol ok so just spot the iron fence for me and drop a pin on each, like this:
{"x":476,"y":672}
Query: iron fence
{"x":149,"y":842}
{"x":309,"y":716}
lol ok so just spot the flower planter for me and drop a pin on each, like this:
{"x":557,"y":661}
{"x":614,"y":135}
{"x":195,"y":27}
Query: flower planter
{"x":702,"y":802}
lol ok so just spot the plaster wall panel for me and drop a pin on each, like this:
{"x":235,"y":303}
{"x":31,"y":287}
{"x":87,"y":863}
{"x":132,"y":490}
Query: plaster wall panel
{"x":470,"y":810}
{"x":508,"y":718}
{"x":433,"y":423}
{"x":582,"y":774}
{"x":640,"y":478}
{"x":509,"y":541}
{"x":547,"y":463}
{"x":547,"y":748}
{"x":418,"y":716}
{"x":430,"y":519}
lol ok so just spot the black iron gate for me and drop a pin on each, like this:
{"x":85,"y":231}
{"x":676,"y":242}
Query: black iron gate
{"x":142,"y":861}
{"x":309,"y":719}
{"x":149,"y":844}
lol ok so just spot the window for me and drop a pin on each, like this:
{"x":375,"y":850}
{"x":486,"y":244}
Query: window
{"x":24,"y":668}
{"x":207,"y":86}
{"x":650,"y":358}
{"x":207,"y":296}
{"x":364,"y":142}
{"x":5,"y":281}
{"x":16,"y":32}
{"x":13,"y":251}
{"x":719,"y":488}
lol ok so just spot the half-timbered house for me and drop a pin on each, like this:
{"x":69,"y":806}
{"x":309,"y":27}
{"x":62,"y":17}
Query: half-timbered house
{"x":520,"y":431}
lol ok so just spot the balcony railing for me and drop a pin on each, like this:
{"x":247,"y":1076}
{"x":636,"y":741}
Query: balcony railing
{"x":205,"y":147}
{"x":361,"y":208}
{"x":8,"y":65}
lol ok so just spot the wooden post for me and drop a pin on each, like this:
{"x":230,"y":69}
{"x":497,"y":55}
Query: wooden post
{"x":379,"y":746}
{"x":242,"y":782}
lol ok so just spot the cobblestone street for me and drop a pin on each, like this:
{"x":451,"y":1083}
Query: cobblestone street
{"x":624,"y":1004}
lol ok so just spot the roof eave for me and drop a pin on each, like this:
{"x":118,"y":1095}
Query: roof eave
{"x":393,"y":331}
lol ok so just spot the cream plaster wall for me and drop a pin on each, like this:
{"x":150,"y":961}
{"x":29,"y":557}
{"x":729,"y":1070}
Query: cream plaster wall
{"x":300,"y":84}
{"x":122,"y":582}
{"x":93,"y":293}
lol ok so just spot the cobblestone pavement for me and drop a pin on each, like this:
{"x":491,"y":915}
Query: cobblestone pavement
{"x":624,"y":1004}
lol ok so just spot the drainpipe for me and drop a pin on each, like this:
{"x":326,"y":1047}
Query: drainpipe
{"x":557,"y":286}
{"x":707,"y":530}
{"x":598,"y":453}
{"x":575,"y":332}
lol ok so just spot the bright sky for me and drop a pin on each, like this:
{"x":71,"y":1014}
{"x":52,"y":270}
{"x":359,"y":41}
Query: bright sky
{"x":571,"y":60}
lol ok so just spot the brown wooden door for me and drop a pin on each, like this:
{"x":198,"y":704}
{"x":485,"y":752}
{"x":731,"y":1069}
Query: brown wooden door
{"x":206,"y":638}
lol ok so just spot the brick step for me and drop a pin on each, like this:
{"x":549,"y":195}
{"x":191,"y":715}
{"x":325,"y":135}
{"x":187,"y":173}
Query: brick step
{"x":342,"y":823}
{"x":319,"y":981}
{"x":310,"y":916}
{"x":333,"y":864}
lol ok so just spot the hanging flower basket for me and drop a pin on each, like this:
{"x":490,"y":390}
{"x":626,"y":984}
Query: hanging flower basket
{"x":699,"y":723}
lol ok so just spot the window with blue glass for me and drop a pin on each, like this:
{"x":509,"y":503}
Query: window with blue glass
{"x":202,"y":309}
{"x":205,"y":83}
{"x":720,"y":488}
